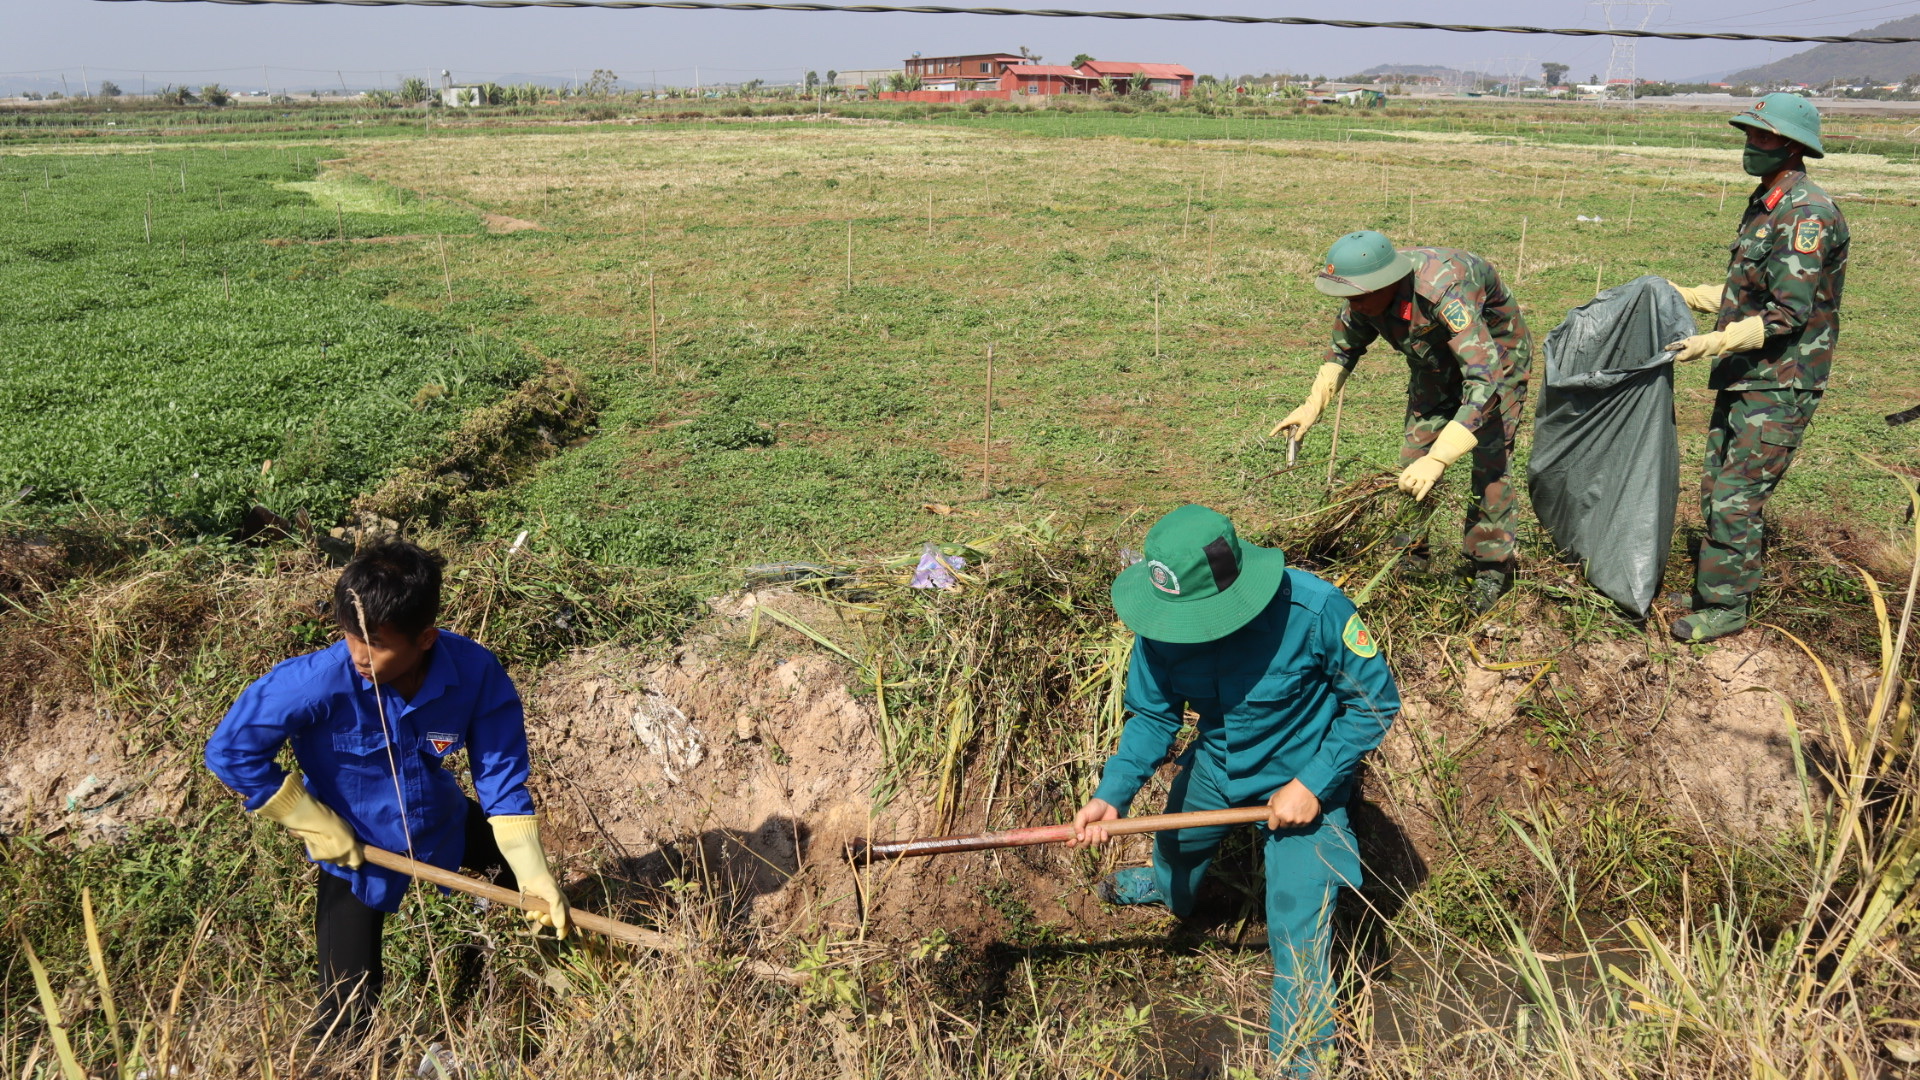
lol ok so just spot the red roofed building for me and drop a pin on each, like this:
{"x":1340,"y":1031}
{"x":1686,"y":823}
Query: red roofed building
{"x":942,"y":72}
{"x":1174,"y":80}
{"x":1047,"y":79}
{"x":1006,"y":76}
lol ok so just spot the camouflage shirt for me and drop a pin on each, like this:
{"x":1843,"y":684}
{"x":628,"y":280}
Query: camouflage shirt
{"x":1453,"y":319}
{"x":1788,"y":264}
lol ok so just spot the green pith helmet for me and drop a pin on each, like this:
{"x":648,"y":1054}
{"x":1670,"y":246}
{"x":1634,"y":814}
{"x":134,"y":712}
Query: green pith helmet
{"x":1361,"y":262}
{"x":1198,"y":581}
{"x":1789,"y":116}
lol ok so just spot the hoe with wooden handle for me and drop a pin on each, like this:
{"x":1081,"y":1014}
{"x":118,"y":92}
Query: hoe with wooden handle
{"x":585,"y":920}
{"x":865,"y":851}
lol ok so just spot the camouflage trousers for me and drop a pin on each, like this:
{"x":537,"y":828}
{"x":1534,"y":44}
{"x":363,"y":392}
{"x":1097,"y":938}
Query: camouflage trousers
{"x":1492,"y":499}
{"x":1750,"y":443}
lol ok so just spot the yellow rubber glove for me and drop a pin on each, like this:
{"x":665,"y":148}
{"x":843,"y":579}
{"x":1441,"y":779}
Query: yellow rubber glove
{"x":519,"y":838}
{"x":1701,"y":298}
{"x":1418,"y":478}
{"x":1748,"y":333}
{"x":1326,"y":383}
{"x":328,"y":838}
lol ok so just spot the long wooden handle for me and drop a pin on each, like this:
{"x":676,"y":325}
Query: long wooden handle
{"x":863,"y":851}
{"x":585,"y":920}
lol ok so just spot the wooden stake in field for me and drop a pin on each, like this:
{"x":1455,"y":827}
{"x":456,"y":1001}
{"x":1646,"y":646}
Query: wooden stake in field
{"x":1631,"y":196}
{"x":183,"y":177}
{"x":849,"y":256}
{"x":653,"y":326}
{"x":1597,"y":272}
{"x":1213,"y":265}
{"x":929,"y":213}
{"x":1723,"y":198}
{"x":1187,"y":218}
{"x":1409,"y":213}
{"x":149,"y":217}
{"x":340,"y":219}
{"x":986,"y":438}
{"x":1520,"y":260}
{"x":446,"y":271}
{"x":1564,"y":177}
{"x":1156,"y":320}
{"x":1386,"y":191}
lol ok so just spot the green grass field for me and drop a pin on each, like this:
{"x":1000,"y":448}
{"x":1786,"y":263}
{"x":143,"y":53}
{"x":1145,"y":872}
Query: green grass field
{"x":870,"y":399}
{"x":176,"y":321}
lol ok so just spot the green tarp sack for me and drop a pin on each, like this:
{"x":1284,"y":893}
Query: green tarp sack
{"x":1605,"y":470}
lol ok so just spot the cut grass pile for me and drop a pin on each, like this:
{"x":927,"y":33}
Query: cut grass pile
{"x":160,"y":354}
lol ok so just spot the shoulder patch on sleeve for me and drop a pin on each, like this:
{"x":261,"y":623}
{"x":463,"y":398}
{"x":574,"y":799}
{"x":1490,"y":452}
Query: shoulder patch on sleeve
{"x":1806,"y":235}
{"x":1359,"y":639}
{"x":1457,"y":314}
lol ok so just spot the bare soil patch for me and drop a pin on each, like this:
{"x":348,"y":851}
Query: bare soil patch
{"x":501,"y":223}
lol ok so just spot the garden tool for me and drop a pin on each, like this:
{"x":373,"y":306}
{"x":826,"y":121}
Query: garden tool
{"x":863,"y":851}
{"x":585,"y":920}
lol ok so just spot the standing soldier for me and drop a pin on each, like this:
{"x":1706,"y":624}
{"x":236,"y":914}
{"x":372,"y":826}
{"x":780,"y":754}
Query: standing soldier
{"x":1467,"y":351}
{"x":1290,"y":691}
{"x":1772,"y":346}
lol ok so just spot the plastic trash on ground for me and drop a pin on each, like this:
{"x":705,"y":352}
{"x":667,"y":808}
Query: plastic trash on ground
{"x":936,"y":570}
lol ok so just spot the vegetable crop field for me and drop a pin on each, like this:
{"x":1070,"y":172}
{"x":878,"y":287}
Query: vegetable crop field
{"x":183,"y":339}
{"x":614,"y":360}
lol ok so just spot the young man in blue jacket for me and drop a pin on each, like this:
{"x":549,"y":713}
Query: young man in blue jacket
{"x":1290,"y":690}
{"x":371,"y":721}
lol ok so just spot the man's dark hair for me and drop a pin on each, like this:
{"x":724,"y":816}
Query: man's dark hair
{"x":397,"y":584}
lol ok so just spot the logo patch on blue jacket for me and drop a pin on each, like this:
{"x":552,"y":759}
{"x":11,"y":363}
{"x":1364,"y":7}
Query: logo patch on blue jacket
{"x":441,"y":743}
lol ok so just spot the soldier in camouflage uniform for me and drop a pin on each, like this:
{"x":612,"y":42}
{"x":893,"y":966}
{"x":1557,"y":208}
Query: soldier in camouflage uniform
{"x":1778,"y":319}
{"x":1468,"y":352}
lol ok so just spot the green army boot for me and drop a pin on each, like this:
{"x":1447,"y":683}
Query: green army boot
{"x":1490,"y":582}
{"x":1707,"y":623}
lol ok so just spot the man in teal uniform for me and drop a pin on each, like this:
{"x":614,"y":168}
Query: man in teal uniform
{"x":1291,"y":691}
{"x":1468,"y":353}
{"x":1777,"y":321}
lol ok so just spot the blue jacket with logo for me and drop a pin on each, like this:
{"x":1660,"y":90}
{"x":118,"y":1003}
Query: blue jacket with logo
{"x":322,"y":706}
{"x":1301,"y":692}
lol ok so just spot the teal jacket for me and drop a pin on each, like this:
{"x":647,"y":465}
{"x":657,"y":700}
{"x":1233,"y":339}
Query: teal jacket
{"x":1301,"y":692}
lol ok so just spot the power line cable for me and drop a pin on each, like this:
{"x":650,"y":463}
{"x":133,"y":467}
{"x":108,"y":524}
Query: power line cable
{"x":1053,"y":13}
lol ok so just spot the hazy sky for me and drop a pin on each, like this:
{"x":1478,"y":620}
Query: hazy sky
{"x":326,"y":46}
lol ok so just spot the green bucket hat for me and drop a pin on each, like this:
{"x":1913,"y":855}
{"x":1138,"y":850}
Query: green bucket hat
{"x":1789,"y":116}
{"x":1361,"y":262}
{"x":1197,"y":582}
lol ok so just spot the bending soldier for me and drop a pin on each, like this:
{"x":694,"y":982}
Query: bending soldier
{"x":1290,"y":691}
{"x":1468,"y":353}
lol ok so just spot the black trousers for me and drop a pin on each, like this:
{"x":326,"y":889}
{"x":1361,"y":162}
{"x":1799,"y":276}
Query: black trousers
{"x":348,"y":935}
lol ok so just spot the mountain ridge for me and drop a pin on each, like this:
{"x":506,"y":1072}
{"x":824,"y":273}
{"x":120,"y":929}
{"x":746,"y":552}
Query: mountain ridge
{"x":1825,"y":63}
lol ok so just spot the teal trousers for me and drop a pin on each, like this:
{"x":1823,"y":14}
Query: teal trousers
{"x":1305,"y":866}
